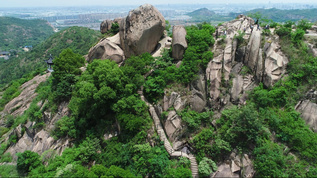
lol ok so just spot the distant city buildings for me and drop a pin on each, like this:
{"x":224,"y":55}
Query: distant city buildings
{"x":91,"y":17}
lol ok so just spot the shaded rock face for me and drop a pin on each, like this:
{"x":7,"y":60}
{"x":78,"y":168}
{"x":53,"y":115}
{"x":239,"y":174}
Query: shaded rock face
{"x":107,"y":49}
{"x":141,"y":30}
{"x":106,"y":25}
{"x":179,"y":43}
{"x":40,"y":141}
{"x":18,"y":105}
{"x":164,"y":43}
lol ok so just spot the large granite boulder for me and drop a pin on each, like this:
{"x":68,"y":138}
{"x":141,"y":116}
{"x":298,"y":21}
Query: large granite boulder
{"x":106,"y":49}
{"x":179,"y":43}
{"x":141,"y":30}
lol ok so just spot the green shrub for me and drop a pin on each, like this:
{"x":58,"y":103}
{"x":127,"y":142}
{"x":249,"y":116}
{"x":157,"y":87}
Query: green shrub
{"x":27,"y":161}
{"x":206,"y":167}
{"x":304,"y":24}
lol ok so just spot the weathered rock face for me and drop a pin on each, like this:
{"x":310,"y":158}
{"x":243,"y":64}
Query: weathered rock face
{"x":40,"y":141}
{"x":238,"y":66}
{"x":308,"y":112}
{"x":236,"y":166}
{"x":107,"y":49}
{"x":308,"y":109}
{"x":106,"y":25}
{"x":141,"y":30}
{"x":198,"y":100}
{"x":179,"y":44}
{"x":173,"y":125}
{"x":274,"y":65}
{"x":253,"y":58}
{"x":18,"y":105}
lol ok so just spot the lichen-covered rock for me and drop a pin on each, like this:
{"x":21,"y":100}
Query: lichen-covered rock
{"x":141,"y":30}
{"x":106,"y":49}
{"x":179,"y":43}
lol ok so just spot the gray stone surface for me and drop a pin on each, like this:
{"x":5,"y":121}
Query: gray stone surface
{"x":179,"y":43}
{"x":141,"y":30}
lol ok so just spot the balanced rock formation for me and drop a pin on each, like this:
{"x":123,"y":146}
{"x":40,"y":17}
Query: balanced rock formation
{"x":179,"y":43}
{"x":107,"y":49}
{"x":141,"y":30}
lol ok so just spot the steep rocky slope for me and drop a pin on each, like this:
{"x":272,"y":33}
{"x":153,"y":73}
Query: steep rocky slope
{"x":243,"y":58}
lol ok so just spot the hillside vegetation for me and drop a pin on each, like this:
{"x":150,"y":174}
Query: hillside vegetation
{"x":16,"y":33}
{"x":79,"y":39}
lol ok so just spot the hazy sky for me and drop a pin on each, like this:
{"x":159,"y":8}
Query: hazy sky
{"x":37,"y":3}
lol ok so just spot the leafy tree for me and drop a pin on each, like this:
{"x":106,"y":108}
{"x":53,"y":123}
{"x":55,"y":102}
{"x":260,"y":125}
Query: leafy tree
{"x":99,"y":170}
{"x":67,"y":62}
{"x":65,"y":127}
{"x":65,"y":70}
{"x":115,"y":171}
{"x":179,"y":172}
{"x":27,"y":161}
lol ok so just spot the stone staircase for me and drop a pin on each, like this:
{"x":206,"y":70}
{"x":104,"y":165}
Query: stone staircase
{"x":167,"y":144}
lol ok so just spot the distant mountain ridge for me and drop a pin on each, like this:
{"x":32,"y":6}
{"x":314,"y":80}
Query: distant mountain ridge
{"x":279,"y":15}
{"x":204,"y":12}
{"x":15,"y":33}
